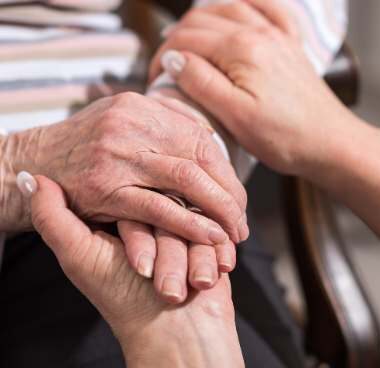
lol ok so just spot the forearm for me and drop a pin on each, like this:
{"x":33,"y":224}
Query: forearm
{"x":351,"y":168}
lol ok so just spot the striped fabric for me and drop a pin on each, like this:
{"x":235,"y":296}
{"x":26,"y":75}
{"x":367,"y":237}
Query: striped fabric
{"x":56,"y":56}
{"x":76,"y":51}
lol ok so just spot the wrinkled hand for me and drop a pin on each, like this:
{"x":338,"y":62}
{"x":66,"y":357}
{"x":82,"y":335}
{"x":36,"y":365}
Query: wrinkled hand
{"x":112,"y":158}
{"x":144,"y":325}
{"x":173,"y":262}
{"x":245,"y":64}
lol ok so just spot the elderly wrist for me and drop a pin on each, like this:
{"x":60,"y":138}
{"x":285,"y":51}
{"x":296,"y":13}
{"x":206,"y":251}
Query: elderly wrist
{"x":200,"y":342}
{"x":16,"y":156}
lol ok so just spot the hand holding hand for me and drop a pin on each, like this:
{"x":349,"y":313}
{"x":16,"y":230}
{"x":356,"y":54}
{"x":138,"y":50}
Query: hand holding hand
{"x":245,"y":65}
{"x":115,"y":158}
{"x":151,"y":332}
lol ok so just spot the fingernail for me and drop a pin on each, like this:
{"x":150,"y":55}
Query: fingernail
{"x":173,"y":62}
{"x":204,"y":275}
{"x":145,"y":265}
{"x":243,"y":228}
{"x":26,"y":184}
{"x":167,"y":30}
{"x":217,"y":235}
{"x":225,"y":263}
{"x":172,"y":288}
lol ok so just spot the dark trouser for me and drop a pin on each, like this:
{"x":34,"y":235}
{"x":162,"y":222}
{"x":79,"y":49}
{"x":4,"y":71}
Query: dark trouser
{"x":46,"y":322}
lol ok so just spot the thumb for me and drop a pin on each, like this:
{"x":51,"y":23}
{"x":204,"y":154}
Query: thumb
{"x":206,"y":85}
{"x":57,"y":225}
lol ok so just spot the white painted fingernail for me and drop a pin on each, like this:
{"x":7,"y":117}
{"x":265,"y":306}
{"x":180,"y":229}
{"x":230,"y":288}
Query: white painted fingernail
{"x":26,"y":184}
{"x":173,"y":62}
{"x":167,"y":30}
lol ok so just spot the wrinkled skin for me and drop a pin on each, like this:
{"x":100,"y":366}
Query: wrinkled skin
{"x":109,"y":154}
{"x":147,"y":328}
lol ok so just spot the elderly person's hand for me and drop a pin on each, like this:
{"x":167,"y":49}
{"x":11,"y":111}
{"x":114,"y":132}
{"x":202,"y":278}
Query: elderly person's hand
{"x":113,"y":157}
{"x":244,"y":66}
{"x":200,"y":333}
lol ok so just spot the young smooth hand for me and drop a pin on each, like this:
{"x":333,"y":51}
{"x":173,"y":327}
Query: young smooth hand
{"x":244,"y":63}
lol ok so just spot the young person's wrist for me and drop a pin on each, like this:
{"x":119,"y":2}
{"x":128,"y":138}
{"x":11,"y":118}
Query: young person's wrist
{"x":342,"y":152}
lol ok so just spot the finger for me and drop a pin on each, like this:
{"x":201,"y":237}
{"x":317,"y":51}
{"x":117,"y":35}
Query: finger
{"x":210,"y":88}
{"x":199,"y":41}
{"x":152,"y":208}
{"x":226,"y":256}
{"x":59,"y":227}
{"x":187,"y":179}
{"x":140,"y":246}
{"x":241,"y":13}
{"x":278,"y":14}
{"x":217,"y":168}
{"x":170,"y":273}
{"x":203,"y":267}
{"x":202,"y":18}
{"x":203,"y":43}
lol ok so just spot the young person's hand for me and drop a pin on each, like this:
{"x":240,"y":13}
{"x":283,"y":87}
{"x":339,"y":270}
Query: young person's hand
{"x":247,"y":68}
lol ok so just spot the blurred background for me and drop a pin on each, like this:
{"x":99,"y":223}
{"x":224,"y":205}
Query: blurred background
{"x":364,"y":37}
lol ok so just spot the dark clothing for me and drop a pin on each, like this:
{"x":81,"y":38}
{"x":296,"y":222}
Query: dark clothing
{"x":46,"y":322}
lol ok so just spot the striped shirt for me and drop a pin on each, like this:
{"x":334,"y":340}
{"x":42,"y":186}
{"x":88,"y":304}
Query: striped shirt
{"x":56,"y":56}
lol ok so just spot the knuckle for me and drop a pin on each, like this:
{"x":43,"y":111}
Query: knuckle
{"x":177,"y":39}
{"x":110,"y":122}
{"x":238,"y":8}
{"x":156,"y":207}
{"x":204,"y":85}
{"x":194,"y":223}
{"x":228,"y":202}
{"x":243,"y":197}
{"x":191,"y":16}
{"x":185,"y":173}
{"x":126,"y":98}
{"x":205,"y":150}
{"x":243,"y":39}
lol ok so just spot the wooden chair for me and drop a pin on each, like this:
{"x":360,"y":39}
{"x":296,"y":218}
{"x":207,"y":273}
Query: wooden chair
{"x":341,"y":328}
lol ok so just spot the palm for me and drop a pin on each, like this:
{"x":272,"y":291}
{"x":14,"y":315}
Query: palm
{"x":124,"y":297}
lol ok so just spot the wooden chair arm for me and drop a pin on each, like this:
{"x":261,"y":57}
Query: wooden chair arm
{"x":342,"y":329}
